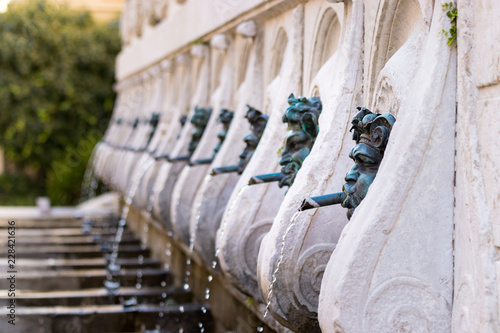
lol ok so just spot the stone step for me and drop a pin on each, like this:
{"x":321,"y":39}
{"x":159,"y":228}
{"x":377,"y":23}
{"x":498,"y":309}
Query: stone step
{"x":66,"y":232}
{"x":109,"y":318}
{"x":42,"y":224}
{"x":73,"y":240}
{"x":27,"y":265}
{"x":100,"y":296}
{"x":82,"y":279}
{"x":72,"y":252}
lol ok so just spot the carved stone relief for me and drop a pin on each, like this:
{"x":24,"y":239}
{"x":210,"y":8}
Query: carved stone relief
{"x":246,"y":220}
{"x":191,"y":179}
{"x":298,"y":242}
{"x":476,"y":302}
{"x":212,"y":198}
{"x":168,"y":175}
{"x":395,"y":275}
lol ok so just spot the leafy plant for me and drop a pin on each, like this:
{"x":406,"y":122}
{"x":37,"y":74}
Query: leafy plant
{"x":249,"y":301}
{"x":452,"y":13}
{"x":55,"y":86}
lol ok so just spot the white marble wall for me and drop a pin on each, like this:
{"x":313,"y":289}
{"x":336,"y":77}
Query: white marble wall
{"x":421,"y":253}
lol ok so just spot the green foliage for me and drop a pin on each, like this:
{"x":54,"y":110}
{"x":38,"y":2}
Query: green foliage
{"x":55,"y":86}
{"x":250,"y":302}
{"x":452,"y":13}
{"x":69,"y":170}
{"x":17,"y":189}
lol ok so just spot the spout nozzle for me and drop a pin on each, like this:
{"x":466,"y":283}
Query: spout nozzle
{"x":323,"y":200}
{"x":162,"y":157}
{"x":268,"y":178}
{"x":224,"y":169}
{"x":201,"y":161}
{"x":178,"y":158}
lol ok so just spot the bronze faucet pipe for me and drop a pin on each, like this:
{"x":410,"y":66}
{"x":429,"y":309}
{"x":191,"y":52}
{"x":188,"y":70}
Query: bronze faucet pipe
{"x":268,"y":178}
{"x":224,"y":169}
{"x":201,"y":161}
{"x":323,"y":200}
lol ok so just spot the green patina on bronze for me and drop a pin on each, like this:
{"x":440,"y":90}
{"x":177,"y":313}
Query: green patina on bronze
{"x":199,"y":121}
{"x":225,"y":118}
{"x":302,"y":119}
{"x":371,"y":132}
{"x":258,"y":122}
{"x":153,"y":122}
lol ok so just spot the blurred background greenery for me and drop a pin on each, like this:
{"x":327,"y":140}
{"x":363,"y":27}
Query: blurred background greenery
{"x":56,"y":97}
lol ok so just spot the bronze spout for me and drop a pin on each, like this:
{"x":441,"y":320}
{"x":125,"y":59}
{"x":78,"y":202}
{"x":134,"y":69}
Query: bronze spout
{"x":323,"y":200}
{"x":179,"y":158}
{"x":201,"y":161}
{"x":224,"y":169}
{"x":162,"y":157}
{"x":268,"y":178}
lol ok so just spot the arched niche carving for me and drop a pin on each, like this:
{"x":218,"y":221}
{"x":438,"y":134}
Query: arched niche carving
{"x":326,"y":40}
{"x":243,"y":54}
{"x":278,"y":53}
{"x":397,"y":20}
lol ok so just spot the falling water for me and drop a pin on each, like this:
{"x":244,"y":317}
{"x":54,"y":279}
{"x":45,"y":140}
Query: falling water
{"x":143,"y":165}
{"x":187,"y":274}
{"x":274,"y":278}
{"x":192,"y":238}
{"x":199,"y":201}
{"x":157,"y":187}
{"x":224,"y":223}
{"x":89,"y":184}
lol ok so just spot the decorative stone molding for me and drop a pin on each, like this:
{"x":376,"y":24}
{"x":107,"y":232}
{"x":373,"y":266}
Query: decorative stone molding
{"x":199,"y":50}
{"x":213,"y":196}
{"x":247,"y":29}
{"x":246,"y":218}
{"x":476,"y":303}
{"x":219,"y":41}
{"x":299,"y":241}
{"x":167,"y":65}
{"x":387,"y":272}
{"x":218,"y":93}
{"x":397,"y":264}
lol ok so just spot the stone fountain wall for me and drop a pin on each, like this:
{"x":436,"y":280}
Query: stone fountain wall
{"x":421,"y":253}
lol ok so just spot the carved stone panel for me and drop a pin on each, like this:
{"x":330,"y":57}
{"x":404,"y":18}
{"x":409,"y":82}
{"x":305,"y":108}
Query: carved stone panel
{"x":191,"y":178}
{"x":213,"y":197}
{"x":392,"y":268}
{"x":251,"y":208}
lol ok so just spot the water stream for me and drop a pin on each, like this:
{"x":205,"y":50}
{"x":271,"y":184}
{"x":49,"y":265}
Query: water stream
{"x":222,"y":228}
{"x":144,"y":163}
{"x":274,"y":278}
{"x":90,"y":181}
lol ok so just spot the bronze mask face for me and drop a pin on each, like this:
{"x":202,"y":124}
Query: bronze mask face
{"x":200,"y":121}
{"x":258,"y":122}
{"x":371,"y":133}
{"x":302,"y":118}
{"x":225,"y":118}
